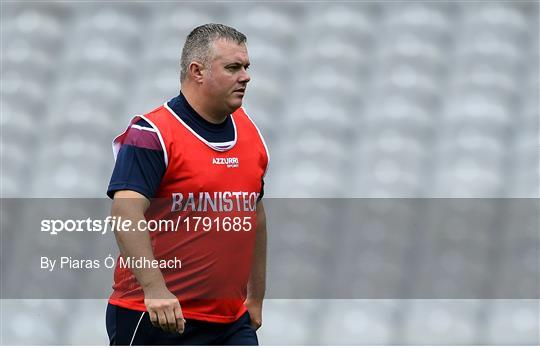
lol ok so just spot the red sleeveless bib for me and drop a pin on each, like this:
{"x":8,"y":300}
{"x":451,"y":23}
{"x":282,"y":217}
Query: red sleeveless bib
{"x":209,"y":192}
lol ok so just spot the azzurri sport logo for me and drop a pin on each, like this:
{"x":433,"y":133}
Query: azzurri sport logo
{"x":230,"y":162}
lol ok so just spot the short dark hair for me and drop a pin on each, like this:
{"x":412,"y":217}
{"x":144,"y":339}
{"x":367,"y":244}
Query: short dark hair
{"x":198,"y":45}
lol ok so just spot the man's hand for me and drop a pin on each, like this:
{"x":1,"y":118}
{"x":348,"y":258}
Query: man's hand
{"x":255,"y":312}
{"x":164,"y":309}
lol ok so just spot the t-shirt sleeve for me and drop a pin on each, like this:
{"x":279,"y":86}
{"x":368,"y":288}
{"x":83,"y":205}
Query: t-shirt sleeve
{"x":140,"y":163}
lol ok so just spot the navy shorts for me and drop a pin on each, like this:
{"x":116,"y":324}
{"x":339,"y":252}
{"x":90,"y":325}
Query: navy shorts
{"x":129,"y":327}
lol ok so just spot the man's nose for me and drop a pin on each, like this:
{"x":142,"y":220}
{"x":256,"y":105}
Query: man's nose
{"x":245,"y":78}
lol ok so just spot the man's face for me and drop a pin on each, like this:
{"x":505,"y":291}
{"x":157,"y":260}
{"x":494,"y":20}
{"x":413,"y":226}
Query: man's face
{"x":227,"y":78}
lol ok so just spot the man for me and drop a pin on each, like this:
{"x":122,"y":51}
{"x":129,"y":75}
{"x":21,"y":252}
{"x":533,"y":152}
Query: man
{"x":198,"y":161}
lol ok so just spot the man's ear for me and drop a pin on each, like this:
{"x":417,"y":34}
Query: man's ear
{"x":196,"y":71}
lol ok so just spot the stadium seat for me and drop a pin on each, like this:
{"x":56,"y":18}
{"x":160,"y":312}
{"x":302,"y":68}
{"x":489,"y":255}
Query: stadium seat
{"x":437,"y":321}
{"x":513,"y":322}
{"x":361,"y":322}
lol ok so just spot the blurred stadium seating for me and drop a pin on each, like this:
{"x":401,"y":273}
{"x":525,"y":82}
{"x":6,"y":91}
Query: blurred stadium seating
{"x":356,"y":100}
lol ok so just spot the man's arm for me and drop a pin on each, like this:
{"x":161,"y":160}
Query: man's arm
{"x":163,"y":306}
{"x":257,"y":280}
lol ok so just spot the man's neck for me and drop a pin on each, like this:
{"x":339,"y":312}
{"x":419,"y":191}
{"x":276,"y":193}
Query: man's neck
{"x":202,"y":109}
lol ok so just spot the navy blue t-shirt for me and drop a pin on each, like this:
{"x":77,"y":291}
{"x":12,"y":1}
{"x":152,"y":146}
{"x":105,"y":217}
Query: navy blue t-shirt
{"x":140,"y":162}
